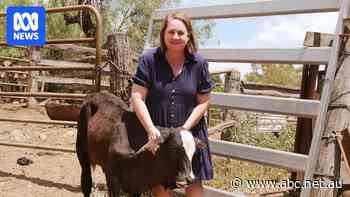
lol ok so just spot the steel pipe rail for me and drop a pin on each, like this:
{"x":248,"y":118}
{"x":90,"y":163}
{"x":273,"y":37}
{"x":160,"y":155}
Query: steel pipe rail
{"x":38,"y":68}
{"x":44,"y":95}
{"x":62,"y":41}
{"x":33,"y":146}
{"x":13,"y":84}
{"x":97,"y":39}
{"x":70,"y":41}
{"x":98,"y":35}
{"x":54,"y":122}
{"x":14,"y":59}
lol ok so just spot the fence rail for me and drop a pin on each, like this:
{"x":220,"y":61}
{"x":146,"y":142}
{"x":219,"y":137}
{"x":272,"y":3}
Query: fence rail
{"x":271,"y":157}
{"x":268,"y":8}
{"x":310,"y":55}
{"x":268,"y":104}
{"x":44,"y":95}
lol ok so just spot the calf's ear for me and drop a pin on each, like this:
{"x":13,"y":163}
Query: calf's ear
{"x":199,"y":143}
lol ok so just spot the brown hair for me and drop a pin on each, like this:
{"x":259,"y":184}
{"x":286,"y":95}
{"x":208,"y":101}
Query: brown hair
{"x":191,"y":46}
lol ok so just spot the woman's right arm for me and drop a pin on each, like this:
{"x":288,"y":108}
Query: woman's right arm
{"x":138,"y":96}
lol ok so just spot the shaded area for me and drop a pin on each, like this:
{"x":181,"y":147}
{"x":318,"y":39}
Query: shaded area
{"x":41,"y":182}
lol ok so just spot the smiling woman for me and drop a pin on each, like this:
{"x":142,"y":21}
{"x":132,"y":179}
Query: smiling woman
{"x":172,"y":89}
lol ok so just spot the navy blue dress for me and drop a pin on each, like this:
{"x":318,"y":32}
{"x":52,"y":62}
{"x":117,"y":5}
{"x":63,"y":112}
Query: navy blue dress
{"x":170,"y":99}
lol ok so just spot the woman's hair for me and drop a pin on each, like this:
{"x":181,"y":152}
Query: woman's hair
{"x":191,"y":46}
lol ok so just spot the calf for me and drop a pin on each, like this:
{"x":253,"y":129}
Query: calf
{"x":108,"y":135}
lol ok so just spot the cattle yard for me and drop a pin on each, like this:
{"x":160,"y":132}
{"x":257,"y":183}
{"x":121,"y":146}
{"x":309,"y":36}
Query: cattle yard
{"x":52,"y":173}
{"x":52,"y":169}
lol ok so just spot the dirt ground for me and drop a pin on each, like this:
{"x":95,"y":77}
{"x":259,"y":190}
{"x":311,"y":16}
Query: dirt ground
{"x":52,"y":174}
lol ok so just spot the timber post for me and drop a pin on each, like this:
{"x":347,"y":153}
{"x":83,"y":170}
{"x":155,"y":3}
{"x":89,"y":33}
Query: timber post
{"x":338,"y":121}
{"x":303,"y":136}
{"x":34,"y":56}
{"x":231,"y":85}
{"x":119,"y":59}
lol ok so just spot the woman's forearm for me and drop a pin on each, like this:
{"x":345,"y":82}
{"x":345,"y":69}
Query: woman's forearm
{"x":196,"y":115}
{"x":142,"y":113}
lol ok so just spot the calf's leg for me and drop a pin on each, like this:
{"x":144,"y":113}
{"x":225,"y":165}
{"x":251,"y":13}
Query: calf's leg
{"x":135,"y":195}
{"x":82,"y":152}
{"x":113,"y":186}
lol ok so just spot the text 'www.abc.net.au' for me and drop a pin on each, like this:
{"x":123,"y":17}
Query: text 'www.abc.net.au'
{"x":237,"y":183}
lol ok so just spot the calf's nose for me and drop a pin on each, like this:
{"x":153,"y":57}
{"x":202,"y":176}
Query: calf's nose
{"x":189,"y":180}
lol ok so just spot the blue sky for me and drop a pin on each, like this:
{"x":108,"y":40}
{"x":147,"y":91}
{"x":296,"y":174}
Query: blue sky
{"x":262,"y":32}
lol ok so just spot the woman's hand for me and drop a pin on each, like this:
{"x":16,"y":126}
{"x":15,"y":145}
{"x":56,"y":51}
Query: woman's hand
{"x":153,"y":134}
{"x":153,"y":140}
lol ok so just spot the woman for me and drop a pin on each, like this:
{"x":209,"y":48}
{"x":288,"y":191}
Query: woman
{"x":172,"y":89}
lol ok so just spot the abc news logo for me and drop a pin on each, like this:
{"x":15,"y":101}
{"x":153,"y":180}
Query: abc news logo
{"x":26,"y":26}
{"x":33,"y":25}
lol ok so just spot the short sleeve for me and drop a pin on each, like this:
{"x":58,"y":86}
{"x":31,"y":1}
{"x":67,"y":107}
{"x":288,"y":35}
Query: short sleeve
{"x":142,"y":75}
{"x":205,"y":84}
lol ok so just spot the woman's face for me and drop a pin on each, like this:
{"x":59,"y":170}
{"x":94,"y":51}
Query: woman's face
{"x":175,"y":35}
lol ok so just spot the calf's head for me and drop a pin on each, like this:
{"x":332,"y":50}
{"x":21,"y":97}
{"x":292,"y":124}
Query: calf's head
{"x":183,"y":146}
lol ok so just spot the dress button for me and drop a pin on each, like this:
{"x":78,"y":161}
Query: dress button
{"x":172,"y":103}
{"x":173,"y":90}
{"x":172,"y":115}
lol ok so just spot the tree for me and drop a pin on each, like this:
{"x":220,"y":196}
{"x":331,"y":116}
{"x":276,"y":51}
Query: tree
{"x":278,"y":74}
{"x":133,"y":17}
{"x":130,"y":16}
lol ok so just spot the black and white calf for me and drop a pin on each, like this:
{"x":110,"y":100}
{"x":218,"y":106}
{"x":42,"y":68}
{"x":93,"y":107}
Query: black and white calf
{"x":111,"y":136}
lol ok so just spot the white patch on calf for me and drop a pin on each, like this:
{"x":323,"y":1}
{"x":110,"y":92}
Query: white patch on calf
{"x":189,"y":146}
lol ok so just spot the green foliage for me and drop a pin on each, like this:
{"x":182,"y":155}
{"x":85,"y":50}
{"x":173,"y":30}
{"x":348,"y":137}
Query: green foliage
{"x":278,"y":74}
{"x":218,"y":89}
{"x":56,"y":27}
{"x":226,"y":170}
{"x":216,"y":78}
{"x":246,"y":133}
{"x":132,"y":16}
{"x":5,"y":3}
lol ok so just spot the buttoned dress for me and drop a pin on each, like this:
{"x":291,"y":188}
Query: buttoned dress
{"x":171,"y":100}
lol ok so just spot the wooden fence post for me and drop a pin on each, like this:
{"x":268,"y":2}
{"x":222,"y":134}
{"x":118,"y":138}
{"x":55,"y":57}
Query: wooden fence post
{"x":304,"y":127}
{"x":119,"y":55}
{"x":34,"y":56}
{"x":338,"y":121}
{"x":231,"y":85}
